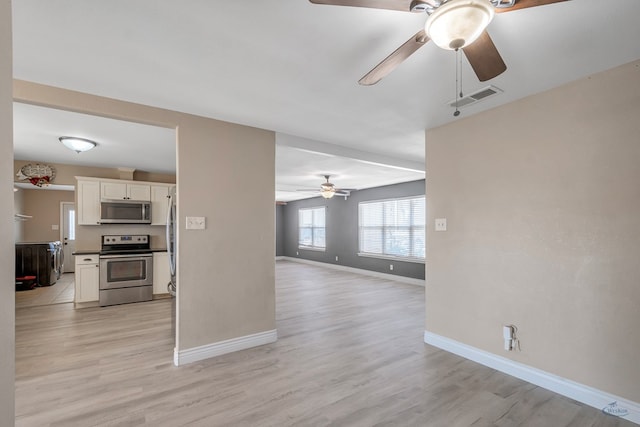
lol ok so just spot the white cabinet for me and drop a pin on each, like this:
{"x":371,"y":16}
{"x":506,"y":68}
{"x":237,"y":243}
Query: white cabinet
{"x":125,"y":191}
{"x":88,"y":202}
{"x":87,"y":278}
{"x":159,"y":204}
{"x":113,"y":190}
{"x":91,"y":190}
{"x":161,"y":274}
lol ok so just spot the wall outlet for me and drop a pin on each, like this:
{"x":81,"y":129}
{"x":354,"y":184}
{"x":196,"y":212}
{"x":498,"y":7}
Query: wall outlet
{"x":196,"y":223}
{"x":391,"y":267}
{"x":297,"y":253}
{"x":441,"y":224}
{"x":511,"y":341}
{"x":336,"y":257}
{"x":55,"y":227}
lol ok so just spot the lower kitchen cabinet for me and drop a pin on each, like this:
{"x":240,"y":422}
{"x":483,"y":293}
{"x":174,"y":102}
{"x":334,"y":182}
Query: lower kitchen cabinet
{"x":87,"y":278}
{"x":161,"y":274}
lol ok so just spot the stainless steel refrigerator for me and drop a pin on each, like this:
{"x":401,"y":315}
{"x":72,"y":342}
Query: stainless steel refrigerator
{"x":171,"y":241}
{"x":172,"y":228}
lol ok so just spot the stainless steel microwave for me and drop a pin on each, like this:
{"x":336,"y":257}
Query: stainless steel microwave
{"x":125,"y":212}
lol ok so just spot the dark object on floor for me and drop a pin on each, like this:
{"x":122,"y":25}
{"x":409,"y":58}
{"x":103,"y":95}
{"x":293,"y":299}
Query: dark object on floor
{"x":40,"y":259}
{"x":25,"y":283}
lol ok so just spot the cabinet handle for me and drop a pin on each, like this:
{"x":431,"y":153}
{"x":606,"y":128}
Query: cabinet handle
{"x":87,"y":259}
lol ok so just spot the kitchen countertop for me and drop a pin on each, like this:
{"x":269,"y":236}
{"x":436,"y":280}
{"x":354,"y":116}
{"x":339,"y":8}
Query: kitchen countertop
{"x":86,"y":252}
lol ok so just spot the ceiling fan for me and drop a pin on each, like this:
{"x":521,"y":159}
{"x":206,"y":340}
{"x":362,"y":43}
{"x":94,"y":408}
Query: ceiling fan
{"x":328,"y":190}
{"x":452,"y":24}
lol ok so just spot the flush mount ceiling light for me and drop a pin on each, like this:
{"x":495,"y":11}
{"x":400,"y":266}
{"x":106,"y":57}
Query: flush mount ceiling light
{"x":458,"y":23}
{"x":77,"y":144}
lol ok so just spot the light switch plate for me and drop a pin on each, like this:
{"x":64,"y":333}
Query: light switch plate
{"x":196,"y":223}
{"x":441,"y":224}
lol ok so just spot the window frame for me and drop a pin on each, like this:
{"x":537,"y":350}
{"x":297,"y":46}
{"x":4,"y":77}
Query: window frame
{"x":313,"y":227}
{"x":384,"y":228}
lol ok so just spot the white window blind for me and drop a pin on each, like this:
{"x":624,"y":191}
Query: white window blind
{"x":311,"y":228}
{"x":393,"y":228}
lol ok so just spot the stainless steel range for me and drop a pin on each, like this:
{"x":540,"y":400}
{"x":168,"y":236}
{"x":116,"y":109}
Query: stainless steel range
{"x":126,"y":269}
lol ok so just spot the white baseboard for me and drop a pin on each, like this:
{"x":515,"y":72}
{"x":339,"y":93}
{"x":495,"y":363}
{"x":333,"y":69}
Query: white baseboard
{"x":601,"y":400}
{"x":280,"y":257}
{"x":403,"y":279}
{"x":207,"y":351}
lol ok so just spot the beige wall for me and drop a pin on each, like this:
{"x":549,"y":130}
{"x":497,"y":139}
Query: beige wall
{"x":44,"y":208}
{"x":226,"y":173}
{"x":88,"y":237}
{"x":7,"y":253}
{"x":38,"y":202}
{"x":542,"y":199}
{"x":65,"y":174}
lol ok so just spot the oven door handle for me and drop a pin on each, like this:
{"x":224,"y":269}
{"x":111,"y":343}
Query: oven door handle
{"x":127,"y":256}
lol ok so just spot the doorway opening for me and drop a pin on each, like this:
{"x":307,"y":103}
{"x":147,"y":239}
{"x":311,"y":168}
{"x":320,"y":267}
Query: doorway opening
{"x":126,"y":150}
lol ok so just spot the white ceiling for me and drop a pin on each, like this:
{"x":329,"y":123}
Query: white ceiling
{"x":119,"y":144}
{"x":292,"y":67}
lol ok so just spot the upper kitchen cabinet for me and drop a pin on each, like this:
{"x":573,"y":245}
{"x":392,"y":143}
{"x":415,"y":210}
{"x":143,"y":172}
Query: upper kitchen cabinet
{"x":125,"y":191}
{"x":88,"y":194}
{"x":91,"y":191}
{"x":159,"y":203}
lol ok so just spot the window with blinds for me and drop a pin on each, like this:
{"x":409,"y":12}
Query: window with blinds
{"x":311,"y":228}
{"x":393,"y":228}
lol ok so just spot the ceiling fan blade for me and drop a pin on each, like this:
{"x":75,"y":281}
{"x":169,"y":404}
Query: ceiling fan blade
{"x":523,"y":4}
{"x":484,"y":58}
{"x":401,"y":5}
{"x":392,"y":61}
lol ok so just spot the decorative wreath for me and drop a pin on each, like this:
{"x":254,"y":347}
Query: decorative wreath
{"x":39,"y":175}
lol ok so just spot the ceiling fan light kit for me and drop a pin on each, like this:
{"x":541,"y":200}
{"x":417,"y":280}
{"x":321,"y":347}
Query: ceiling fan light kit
{"x":458,"y":23}
{"x":328,"y":193}
{"x":327,"y":189}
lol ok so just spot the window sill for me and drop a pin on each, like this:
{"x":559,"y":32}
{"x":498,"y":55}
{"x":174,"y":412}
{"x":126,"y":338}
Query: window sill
{"x":309,"y":248}
{"x":394,"y":258}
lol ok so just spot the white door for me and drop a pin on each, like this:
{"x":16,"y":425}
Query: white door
{"x":68,"y":235}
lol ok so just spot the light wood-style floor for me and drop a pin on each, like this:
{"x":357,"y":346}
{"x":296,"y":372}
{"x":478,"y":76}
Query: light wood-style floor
{"x":60,"y":292}
{"x":349,"y":353}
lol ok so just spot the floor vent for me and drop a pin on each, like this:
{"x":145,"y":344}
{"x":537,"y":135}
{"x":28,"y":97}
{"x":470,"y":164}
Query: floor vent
{"x":475,"y":97}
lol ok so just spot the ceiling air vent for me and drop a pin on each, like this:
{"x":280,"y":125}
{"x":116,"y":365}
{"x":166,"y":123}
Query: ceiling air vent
{"x":475,"y":97}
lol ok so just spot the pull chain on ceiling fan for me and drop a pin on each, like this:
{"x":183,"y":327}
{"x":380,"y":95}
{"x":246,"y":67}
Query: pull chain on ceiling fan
{"x":452,"y":24}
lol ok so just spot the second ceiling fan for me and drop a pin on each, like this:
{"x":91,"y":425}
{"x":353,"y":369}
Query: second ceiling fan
{"x":328,"y":190}
{"x":452,"y":24}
